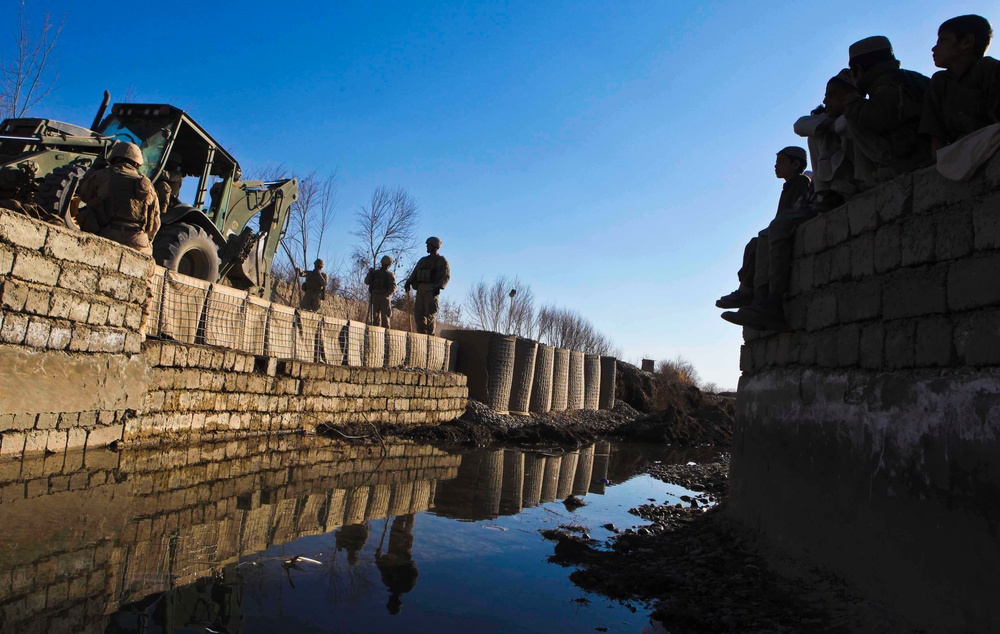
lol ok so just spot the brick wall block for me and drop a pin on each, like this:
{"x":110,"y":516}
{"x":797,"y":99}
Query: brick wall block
{"x":915,"y":292}
{"x":973,"y":282}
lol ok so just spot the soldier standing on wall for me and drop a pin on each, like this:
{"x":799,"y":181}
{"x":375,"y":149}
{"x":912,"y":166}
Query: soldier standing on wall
{"x":381,"y":285}
{"x":314,"y":288}
{"x":430,"y":276}
{"x":121,"y":202}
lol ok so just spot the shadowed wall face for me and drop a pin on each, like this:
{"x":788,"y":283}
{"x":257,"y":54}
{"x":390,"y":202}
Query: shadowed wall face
{"x":868,"y":437}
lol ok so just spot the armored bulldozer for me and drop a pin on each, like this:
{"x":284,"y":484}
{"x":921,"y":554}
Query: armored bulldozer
{"x":229,"y":232}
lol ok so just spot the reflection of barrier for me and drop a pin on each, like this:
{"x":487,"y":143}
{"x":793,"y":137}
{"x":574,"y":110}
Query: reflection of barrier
{"x":591,"y":381}
{"x":574,"y":388}
{"x":609,"y":379}
{"x":541,"y":384}
{"x":524,"y":373}
{"x":560,"y":379}
{"x":193,"y":311}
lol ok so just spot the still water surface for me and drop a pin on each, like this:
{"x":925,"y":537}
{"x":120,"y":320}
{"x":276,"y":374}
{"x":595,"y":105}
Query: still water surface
{"x":311,"y":535}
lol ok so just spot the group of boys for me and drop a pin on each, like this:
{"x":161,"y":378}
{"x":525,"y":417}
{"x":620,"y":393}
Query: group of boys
{"x":878,"y":121}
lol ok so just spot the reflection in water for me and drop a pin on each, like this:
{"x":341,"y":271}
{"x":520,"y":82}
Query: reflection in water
{"x":171,"y":540}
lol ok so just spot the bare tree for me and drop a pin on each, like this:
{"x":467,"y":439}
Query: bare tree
{"x":386,"y":225}
{"x":310,"y":216}
{"x":678,"y":370}
{"x":505,"y":305}
{"x":565,"y":328}
{"x":26,"y":73}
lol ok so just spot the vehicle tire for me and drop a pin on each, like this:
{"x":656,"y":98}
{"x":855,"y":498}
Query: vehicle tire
{"x":57,"y":189}
{"x":189,"y":250}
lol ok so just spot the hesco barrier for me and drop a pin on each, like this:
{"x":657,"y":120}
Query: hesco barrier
{"x":374,"y":347}
{"x":436,"y":358}
{"x":524,"y":373}
{"x":591,"y":381}
{"x":333,"y":338}
{"x":416,"y":350}
{"x":487,"y":360}
{"x":560,"y":379}
{"x":575,"y":389}
{"x":541,"y":384}
{"x":609,"y":379}
{"x":395,"y":348}
{"x":189,"y":310}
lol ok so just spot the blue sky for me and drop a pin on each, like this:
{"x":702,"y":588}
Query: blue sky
{"x":616,"y":156}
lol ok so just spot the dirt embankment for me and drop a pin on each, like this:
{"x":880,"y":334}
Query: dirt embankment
{"x":648,"y":408}
{"x":701,"y":572}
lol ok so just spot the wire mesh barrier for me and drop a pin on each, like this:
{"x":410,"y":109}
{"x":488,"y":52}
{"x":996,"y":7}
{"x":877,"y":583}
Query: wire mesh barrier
{"x":541,"y":383}
{"x":500,"y":367}
{"x":353,"y":342}
{"x":525,"y":351}
{"x":374,"y":347}
{"x":591,"y":381}
{"x":183,"y":307}
{"x":584,"y":471}
{"x":332,"y":339}
{"x":255,"y":331}
{"x":560,"y":379}
{"x":574,"y":390}
{"x":225,"y":316}
{"x":153,"y":320}
{"x":395,"y":348}
{"x":436,"y":357}
{"x":609,"y":379}
{"x":193,"y":311}
{"x":308,"y":346}
{"x":279,"y":342}
{"x":416,"y":350}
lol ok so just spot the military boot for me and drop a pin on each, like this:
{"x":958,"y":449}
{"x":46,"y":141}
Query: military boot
{"x":743,"y":296}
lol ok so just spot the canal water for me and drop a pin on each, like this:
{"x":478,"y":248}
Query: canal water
{"x":312,"y":535}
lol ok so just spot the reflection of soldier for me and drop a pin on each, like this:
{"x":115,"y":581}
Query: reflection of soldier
{"x":168,"y":185}
{"x":121,"y":202}
{"x":399,"y":571}
{"x":381,"y":285}
{"x":430,"y":276}
{"x":314,"y":288}
{"x":352,"y":539}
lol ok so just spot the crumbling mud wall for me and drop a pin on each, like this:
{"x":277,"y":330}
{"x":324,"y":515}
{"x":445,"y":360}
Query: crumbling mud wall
{"x":868,"y":437}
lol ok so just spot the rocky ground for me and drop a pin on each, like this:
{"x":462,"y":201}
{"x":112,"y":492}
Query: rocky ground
{"x":700,"y":572}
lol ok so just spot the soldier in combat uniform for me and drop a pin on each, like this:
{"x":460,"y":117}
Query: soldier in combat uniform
{"x":381,"y":285}
{"x":314,"y":288}
{"x":121,"y":202}
{"x":429,"y":276}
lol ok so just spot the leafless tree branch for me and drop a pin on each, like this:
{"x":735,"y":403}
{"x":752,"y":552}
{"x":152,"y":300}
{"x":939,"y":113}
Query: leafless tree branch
{"x":26,"y":73}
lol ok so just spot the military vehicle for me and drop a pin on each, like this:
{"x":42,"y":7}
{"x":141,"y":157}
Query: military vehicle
{"x":232,"y":239}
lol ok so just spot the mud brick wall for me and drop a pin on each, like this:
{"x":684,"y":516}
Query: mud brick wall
{"x":150,"y":514}
{"x":70,"y":310}
{"x":195,"y":390}
{"x":868,"y":437}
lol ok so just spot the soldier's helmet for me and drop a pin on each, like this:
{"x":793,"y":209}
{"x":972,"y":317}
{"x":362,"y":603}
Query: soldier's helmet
{"x":128,"y":151}
{"x":386,"y":260}
{"x":435,"y":241}
{"x":318,"y":264}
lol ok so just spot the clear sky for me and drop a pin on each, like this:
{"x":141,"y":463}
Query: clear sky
{"x":616,"y":156}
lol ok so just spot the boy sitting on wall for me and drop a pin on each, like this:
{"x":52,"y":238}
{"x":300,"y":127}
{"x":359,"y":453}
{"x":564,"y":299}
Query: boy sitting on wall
{"x":883,"y":119}
{"x":830,"y":146}
{"x":965,"y":96}
{"x":767,"y":258}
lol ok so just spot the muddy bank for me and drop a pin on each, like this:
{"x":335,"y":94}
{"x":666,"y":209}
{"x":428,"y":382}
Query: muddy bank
{"x":700,"y":572}
{"x":647,"y":408}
